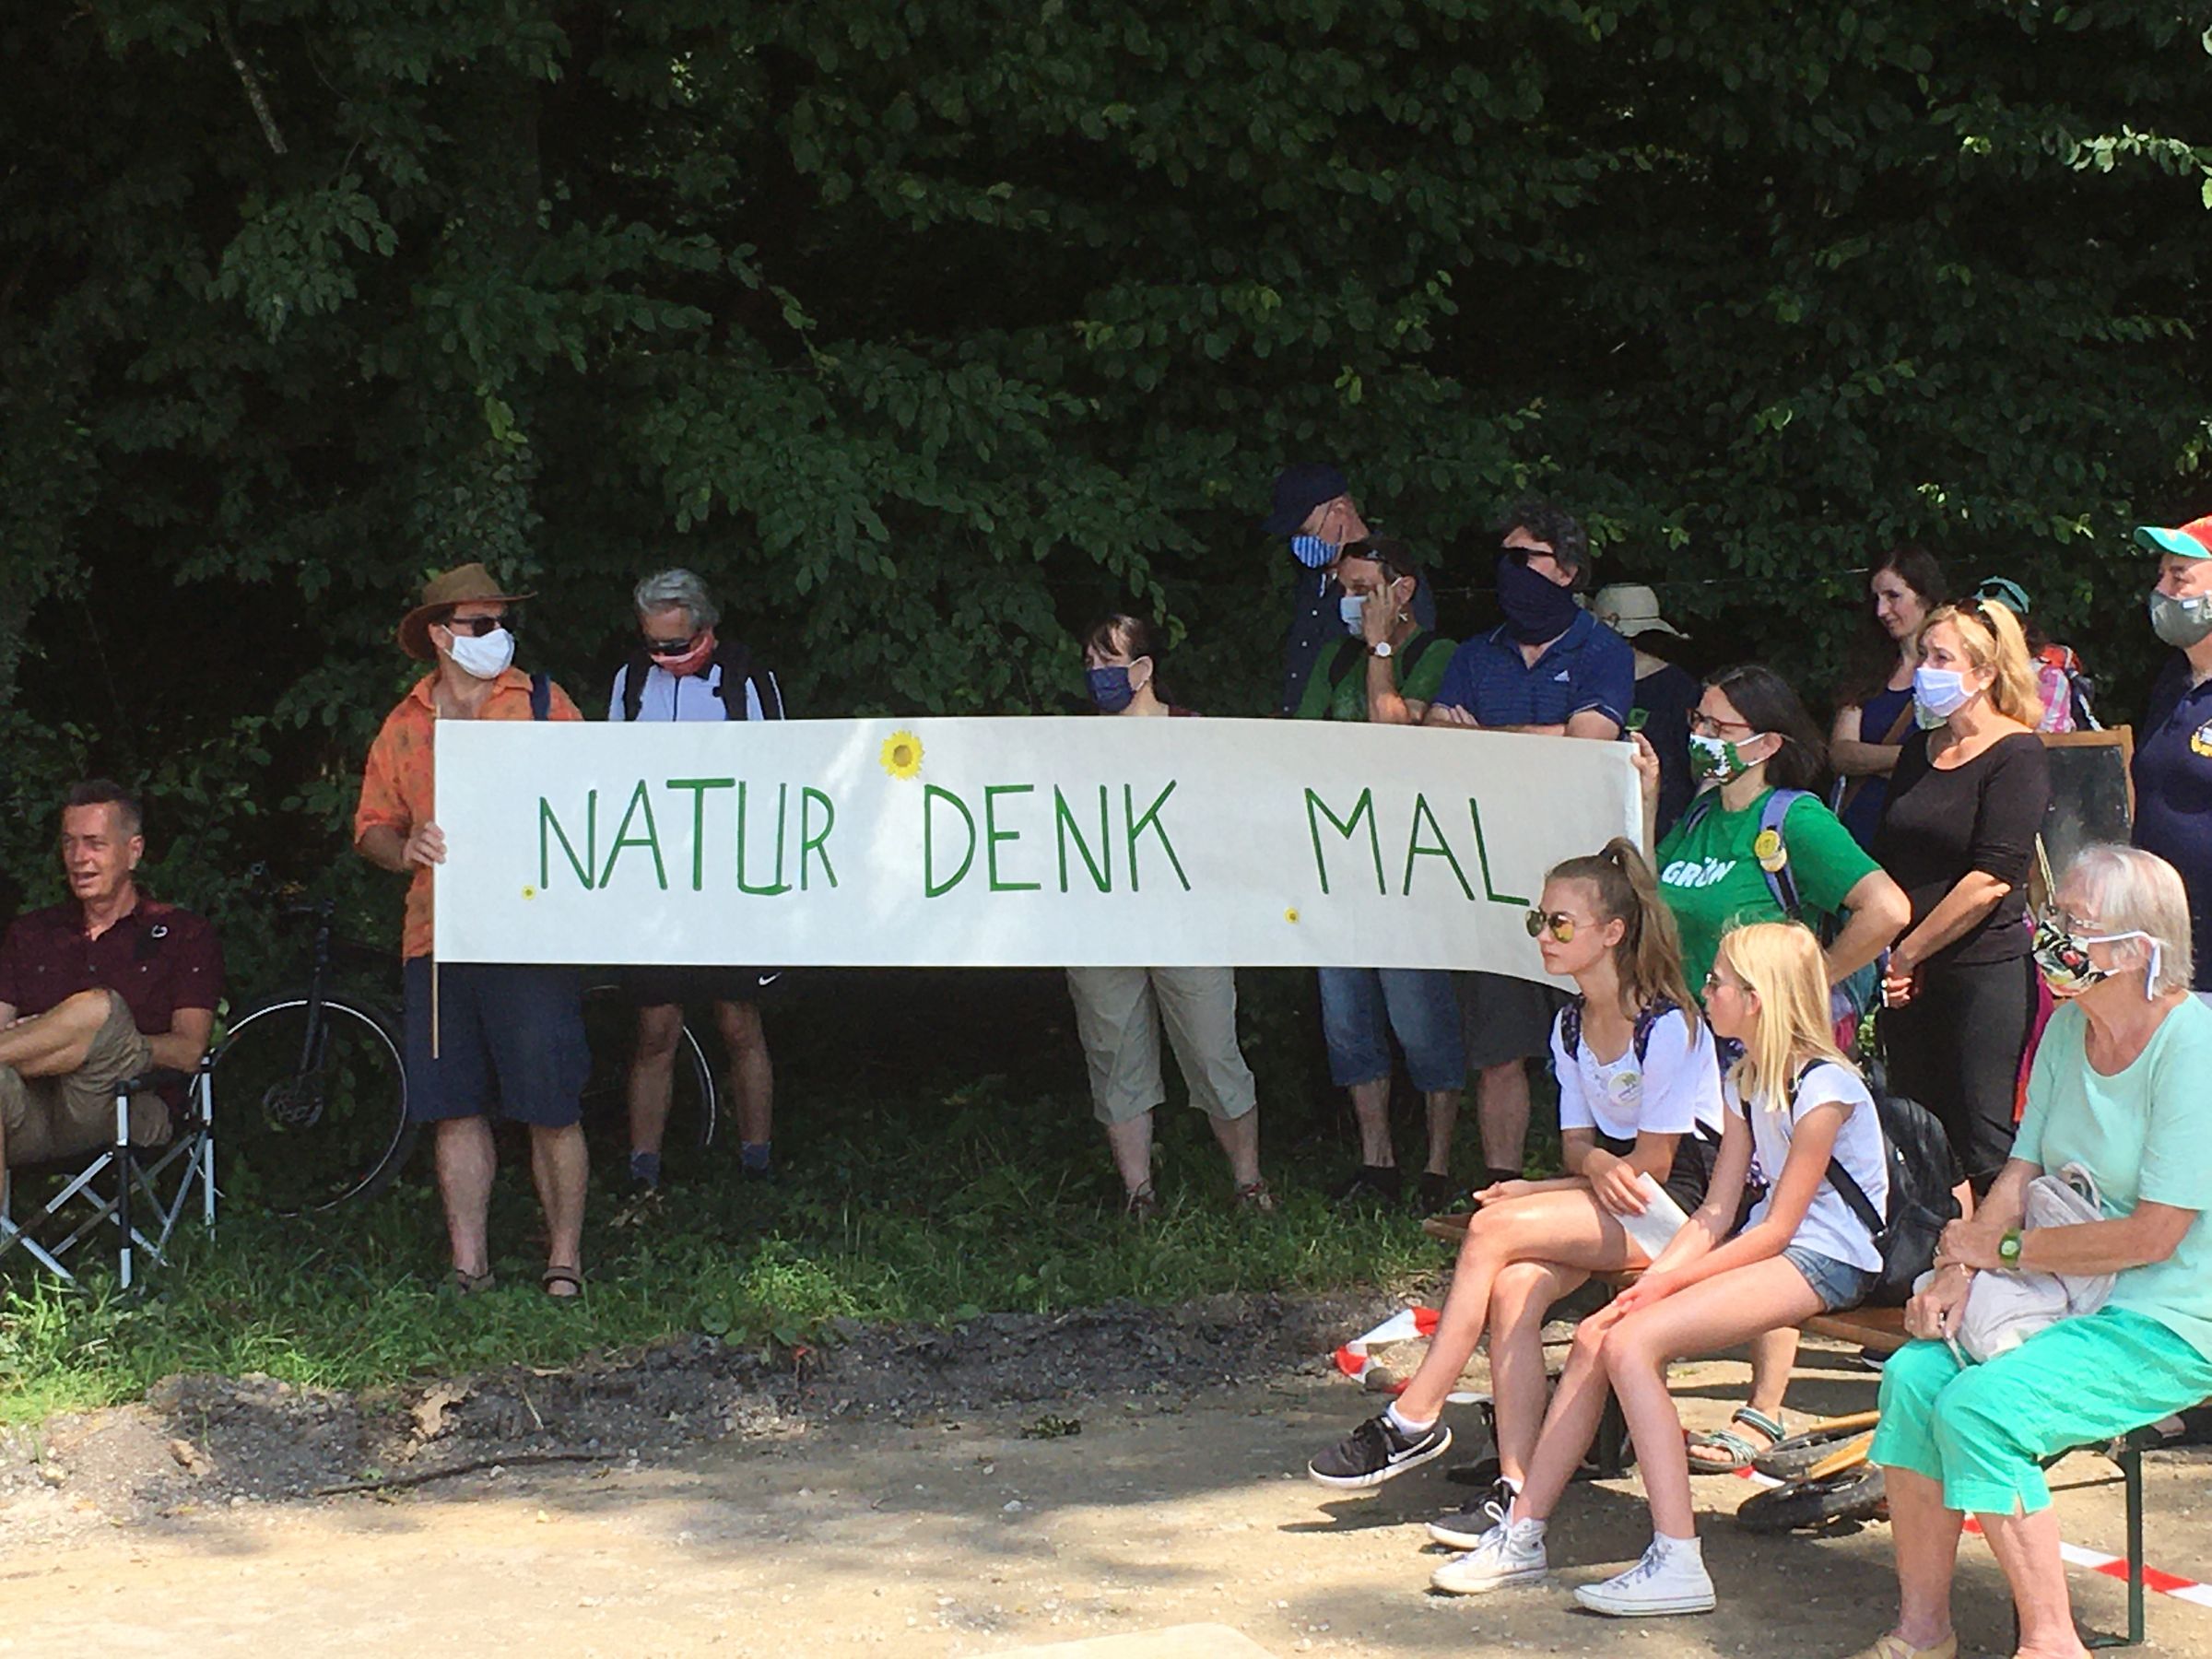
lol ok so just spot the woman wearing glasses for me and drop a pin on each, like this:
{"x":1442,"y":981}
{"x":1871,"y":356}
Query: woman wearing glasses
{"x":1957,"y":831}
{"x":1640,"y":1095}
{"x":1735,"y":856}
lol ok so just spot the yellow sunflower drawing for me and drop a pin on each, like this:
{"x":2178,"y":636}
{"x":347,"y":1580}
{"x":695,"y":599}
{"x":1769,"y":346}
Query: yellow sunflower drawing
{"x":901,"y":755}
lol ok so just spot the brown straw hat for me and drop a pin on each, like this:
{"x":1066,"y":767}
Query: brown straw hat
{"x":440,"y":594}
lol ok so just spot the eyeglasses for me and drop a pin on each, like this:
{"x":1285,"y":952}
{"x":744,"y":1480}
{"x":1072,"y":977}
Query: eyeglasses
{"x":481,"y":626}
{"x":1706,"y":727}
{"x":1713,"y":982}
{"x":1558,"y":923}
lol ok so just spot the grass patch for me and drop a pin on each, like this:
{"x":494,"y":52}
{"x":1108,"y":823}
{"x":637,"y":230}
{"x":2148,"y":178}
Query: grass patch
{"x":932,"y":1208}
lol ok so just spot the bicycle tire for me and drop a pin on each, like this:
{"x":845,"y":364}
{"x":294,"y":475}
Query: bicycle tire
{"x":695,"y":1104}
{"x":1789,"y":1459}
{"x":1854,"y":1494}
{"x":265,"y":1122}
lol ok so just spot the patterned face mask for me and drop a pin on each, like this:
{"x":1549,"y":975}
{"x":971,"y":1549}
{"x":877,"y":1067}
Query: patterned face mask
{"x":2062,"y":956}
{"x":1312,"y":552}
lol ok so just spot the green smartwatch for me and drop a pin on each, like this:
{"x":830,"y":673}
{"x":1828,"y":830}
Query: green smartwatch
{"x":2008,"y":1250}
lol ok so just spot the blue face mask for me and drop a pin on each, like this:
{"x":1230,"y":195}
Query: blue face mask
{"x":1940,"y":692}
{"x":1312,"y":552}
{"x":1109,"y":688}
{"x":1351,"y":608}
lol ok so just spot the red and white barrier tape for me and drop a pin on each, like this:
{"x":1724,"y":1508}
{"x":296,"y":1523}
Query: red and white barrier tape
{"x":1407,"y":1324}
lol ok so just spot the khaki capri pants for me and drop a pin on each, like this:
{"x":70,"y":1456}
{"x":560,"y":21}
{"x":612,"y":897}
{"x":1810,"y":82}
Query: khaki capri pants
{"x":1119,"y":1012}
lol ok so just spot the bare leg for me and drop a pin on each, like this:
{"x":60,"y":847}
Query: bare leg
{"x":752,"y":1077}
{"x":1371,"y":1108}
{"x":1925,"y":1536}
{"x":1501,"y":1105}
{"x":465,"y":1164}
{"x":2027,"y":1548}
{"x":55,"y":1043}
{"x":1773,"y":1356}
{"x":1131,"y":1140}
{"x":1713,"y":1314}
{"x":1239,"y":1139}
{"x":1520,"y":1298}
{"x":1578,"y":1404}
{"x":558,"y":1165}
{"x":1443,"y":1119}
{"x":1561,"y":1227}
{"x":652,"y":1075}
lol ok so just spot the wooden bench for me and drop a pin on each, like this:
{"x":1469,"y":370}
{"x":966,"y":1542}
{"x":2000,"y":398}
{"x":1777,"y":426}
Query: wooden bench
{"x":1882,"y":1331}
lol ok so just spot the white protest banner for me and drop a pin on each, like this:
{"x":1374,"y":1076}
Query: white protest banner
{"x":1011,"y":843}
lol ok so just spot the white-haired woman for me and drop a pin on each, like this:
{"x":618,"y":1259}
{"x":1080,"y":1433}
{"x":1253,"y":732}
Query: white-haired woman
{"x":2119,"y":1086}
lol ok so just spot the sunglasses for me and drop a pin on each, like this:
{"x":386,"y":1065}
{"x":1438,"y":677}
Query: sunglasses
{"x":479,"y":626}
{"x":1558,"y":923}
{"x":670,"y":648}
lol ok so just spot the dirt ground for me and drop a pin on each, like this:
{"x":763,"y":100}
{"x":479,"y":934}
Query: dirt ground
{"x":932,"y":1493}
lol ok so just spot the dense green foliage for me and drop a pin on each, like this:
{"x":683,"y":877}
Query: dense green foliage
{"x":927,"y":329}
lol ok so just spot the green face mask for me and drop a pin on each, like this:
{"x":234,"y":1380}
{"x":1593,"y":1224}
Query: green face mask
{"x":2181,"y":622}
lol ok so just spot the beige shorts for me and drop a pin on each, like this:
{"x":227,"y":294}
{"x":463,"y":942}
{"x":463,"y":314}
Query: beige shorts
{"x":1119,"y":1012}
{"x":58,"y":1117}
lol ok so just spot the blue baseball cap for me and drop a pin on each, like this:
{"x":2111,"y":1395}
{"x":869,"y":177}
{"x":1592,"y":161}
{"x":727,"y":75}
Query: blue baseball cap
{"x":1298,"y":490}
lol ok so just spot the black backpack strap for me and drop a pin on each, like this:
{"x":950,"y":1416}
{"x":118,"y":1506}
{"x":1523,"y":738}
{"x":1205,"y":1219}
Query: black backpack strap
{"x":541,"y":697}
{"x":1342,"y":660}
{"x":770,"y":693}
{"x":735,"y":659}
{"x":1847,"y":1187}
{"x":1649,"y":1018}
{"x":1570,"y":1028}
{"x":634,"y":672}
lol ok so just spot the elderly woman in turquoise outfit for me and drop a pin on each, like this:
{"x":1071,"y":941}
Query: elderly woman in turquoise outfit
{"x":2122,"y":1086}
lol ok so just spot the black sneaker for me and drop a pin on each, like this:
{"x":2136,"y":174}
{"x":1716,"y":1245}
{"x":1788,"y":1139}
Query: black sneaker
{"x":1371,"y":1184}
{"x":1465,"y":1528}
{"x":1436,"y":1194}
{"x":1376,"y":1451}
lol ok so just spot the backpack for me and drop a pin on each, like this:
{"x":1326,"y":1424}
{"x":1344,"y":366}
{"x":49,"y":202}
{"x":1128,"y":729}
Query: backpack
{"x":738,"y":670}
{"x":1922,"y":1173}
{"x":541,"y":697}
{"x":1640,"y":1038}
{"x":1856,"y":995}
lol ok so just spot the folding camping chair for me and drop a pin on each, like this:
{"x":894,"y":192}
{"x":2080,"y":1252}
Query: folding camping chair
{"x":124,"y":1186}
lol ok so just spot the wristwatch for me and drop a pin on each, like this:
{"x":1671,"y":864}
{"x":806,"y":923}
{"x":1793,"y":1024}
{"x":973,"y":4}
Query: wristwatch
{"x":1380,"y":647}
{"x":2008,"y":1251}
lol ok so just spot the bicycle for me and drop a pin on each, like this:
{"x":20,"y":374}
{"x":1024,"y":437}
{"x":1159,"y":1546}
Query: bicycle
{"x":314,"y":1090}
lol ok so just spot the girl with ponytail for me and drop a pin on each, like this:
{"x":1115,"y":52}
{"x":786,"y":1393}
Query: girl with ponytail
{"x":1795,"y":1103}
{"x":1639,"y":1113}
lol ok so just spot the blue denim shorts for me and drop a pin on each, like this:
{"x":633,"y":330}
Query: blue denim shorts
{"x":1839,"y":1285}
{"x":1362,"y":1008}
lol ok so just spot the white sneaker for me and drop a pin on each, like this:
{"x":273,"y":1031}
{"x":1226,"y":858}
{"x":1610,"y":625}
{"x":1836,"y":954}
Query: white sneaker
{"x":1506,"y":1555}
{"x":1666,"y":1580}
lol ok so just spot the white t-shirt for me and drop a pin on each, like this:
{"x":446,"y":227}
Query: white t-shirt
{"x":1829,"y":1228}
{"x":1675,"y":1090}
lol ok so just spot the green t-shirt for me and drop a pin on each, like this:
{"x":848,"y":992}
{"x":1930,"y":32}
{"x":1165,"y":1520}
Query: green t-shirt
{"x":1336,"y":689}
{"x":1710,"y":874}
{"x":2145,"y":1135}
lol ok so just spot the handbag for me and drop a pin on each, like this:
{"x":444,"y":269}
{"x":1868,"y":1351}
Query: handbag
{"x":2002,"y":1310}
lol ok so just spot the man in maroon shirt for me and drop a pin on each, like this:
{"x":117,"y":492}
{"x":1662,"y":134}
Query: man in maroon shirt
{"x":96,"y":990}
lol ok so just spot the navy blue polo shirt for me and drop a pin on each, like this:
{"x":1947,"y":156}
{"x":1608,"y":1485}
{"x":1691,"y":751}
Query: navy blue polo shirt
{"x":1588,"y":667}
{"x":2174,"y":794}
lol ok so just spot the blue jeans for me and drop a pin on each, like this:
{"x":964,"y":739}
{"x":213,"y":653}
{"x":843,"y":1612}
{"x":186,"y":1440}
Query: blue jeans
{"x":1361,"y":1006}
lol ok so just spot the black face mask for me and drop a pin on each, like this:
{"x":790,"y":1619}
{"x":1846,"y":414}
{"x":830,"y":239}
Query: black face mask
{"x":1537,"y":609}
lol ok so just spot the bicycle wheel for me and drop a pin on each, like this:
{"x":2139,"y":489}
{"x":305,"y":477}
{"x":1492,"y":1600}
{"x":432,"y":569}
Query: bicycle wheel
{"x":308,"y":1129}
{"x":694,"y":1106}
{"x":1793,"y":1458}
{"x":1852,"y":1494}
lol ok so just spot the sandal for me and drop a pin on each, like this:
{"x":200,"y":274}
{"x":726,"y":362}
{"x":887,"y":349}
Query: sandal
{"x":472,"y":1284}
{"x":1254,"y":1199}
{"x":1141,"y":1205}
{"x":561,"y":1276}
{"x":1894,"y":1646}
{"x":1736,"y":1453}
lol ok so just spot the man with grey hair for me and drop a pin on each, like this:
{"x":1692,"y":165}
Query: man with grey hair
{"x":680,"y":670}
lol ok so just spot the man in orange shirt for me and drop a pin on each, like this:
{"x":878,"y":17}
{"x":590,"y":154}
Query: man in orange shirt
{"x":514,"y":1028}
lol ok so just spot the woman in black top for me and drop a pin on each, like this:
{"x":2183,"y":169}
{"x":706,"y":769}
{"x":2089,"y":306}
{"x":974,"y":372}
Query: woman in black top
{"x":1958,"y":833}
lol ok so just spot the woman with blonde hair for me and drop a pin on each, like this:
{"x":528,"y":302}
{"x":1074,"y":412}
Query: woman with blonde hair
{"x":1639,"y":1096}
{"x":1793,"y":1103}
{"x":1957,"y":834}
{"x":2118,"y":1091}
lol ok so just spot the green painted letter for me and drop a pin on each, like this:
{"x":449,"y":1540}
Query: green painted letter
{"x":1065,"y":829}
{"x":1136,"y":823}
{"x":779,"y":885}
{"x":811,"y":842}
{"x":639,"y":802}
{"x":699,"y":787}
{"x":1317,"y":809}
{"x":583,"y":868}
{"x":992,"y":835}
{"x":931,"y":887}
{"x":1415,"y":848}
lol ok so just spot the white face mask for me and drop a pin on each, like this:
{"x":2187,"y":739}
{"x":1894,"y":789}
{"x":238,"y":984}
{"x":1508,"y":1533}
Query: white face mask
{"x":484,"y":655}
